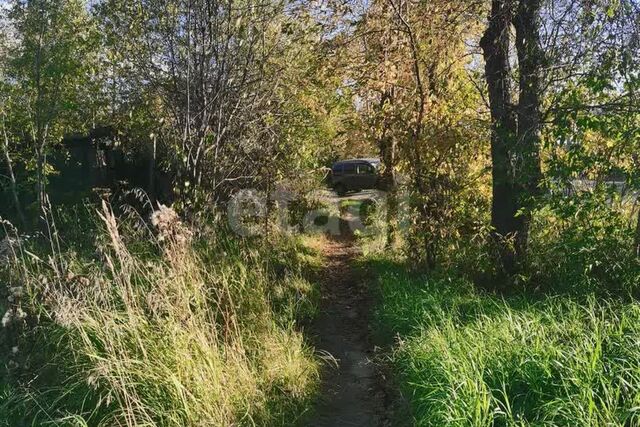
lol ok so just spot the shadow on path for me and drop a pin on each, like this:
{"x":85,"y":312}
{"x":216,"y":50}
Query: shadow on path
{"x":353,"y":392}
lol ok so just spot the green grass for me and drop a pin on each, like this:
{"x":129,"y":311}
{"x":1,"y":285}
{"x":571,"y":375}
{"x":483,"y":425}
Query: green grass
{"x":143,"y":332}
{"x":466,"y":358}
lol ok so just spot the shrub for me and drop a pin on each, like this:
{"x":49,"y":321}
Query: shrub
{"x":585,"y":244}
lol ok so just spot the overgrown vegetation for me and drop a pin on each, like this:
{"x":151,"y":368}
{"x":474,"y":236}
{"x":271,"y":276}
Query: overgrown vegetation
{"x":505,"y":232}
{"x":559,"y":347}
{"x":467,"y":357}
{"x":158,"y":330}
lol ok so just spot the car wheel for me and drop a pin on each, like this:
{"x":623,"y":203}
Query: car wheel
{"x":341,"y":190}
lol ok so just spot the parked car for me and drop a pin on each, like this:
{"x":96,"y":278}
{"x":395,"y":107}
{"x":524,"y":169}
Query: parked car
{"x":354,"y":175}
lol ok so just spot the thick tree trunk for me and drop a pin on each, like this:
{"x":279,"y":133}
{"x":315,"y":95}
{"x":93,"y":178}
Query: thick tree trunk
{"x":495,"y":45}
{"x":530,"y":59}
{"x":515,"y":141}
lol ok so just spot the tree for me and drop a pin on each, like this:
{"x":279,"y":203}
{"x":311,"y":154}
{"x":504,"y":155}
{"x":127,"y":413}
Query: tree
{"x":369,"y":63}
{"x":7,"y":146}
{"x":225,"y":78}
{"x":13,"y":183}
{"x":420,"y":103}
{"x":45,"y":66}
{"x":593,"y":111}
{"x":515,"y":139}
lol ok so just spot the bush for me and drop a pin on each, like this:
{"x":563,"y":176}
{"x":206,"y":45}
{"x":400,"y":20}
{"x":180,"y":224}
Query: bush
{"x":585,"y":244}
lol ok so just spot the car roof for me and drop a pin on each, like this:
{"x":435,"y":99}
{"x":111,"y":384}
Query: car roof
{"x":364,"y":160}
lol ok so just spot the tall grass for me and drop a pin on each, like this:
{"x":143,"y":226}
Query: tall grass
{"x":179,"y":331}
{"x":466,"y":358}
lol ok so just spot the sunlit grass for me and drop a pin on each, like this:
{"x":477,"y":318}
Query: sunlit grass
{"x":197,"y":334}
{"x":470,"y":359}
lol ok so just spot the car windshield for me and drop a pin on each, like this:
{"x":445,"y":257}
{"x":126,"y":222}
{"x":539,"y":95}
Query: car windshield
{"x":365,"y":169}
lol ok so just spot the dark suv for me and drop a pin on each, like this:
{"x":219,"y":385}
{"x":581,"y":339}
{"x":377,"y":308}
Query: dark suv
{"x":354,"y":175}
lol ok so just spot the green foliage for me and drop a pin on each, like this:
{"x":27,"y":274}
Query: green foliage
{"x":465,"y":358}
{"x":48,"y":49}
{"x":585,"y":243}
{"x":56,"y":44}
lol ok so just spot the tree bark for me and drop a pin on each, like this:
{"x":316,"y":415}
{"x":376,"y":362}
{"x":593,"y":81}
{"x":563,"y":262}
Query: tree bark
{"x":530,"y":59}
{"x":637,"y":237}
{"x":495,"y":45}
{"x":515,"y":137}
{"x":12,"y":178}
{"x":390,"y":185}
{"x":388,"y":148}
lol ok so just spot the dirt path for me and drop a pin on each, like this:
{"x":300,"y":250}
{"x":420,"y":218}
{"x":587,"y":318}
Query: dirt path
{"x":353,"y":392}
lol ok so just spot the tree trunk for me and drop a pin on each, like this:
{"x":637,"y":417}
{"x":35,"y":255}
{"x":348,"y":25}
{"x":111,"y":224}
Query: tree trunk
{"x":391,"y":187}
{"x":153,"y":193}
{"x":495,"y":45}
{"x":12,"y":178}
{"x":41,"y":174}
{"x":637,"y":236}
{"x":530,"y":59}
{"x":388,"y":147}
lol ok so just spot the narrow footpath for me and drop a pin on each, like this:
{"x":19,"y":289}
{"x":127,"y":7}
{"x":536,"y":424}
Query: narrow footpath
{"x":353,"y":392}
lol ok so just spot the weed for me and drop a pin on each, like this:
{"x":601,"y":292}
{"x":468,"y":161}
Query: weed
{"x":171,"y":332}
